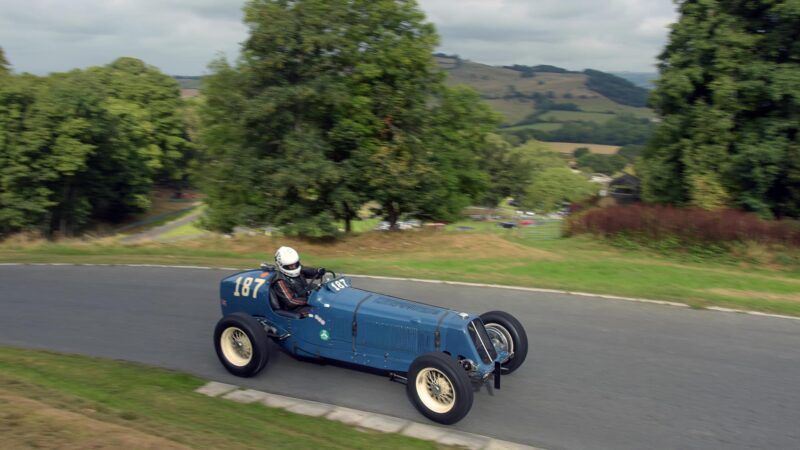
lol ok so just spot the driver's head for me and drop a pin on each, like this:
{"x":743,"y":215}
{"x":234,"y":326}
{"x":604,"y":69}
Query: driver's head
{"x":288,"y":261}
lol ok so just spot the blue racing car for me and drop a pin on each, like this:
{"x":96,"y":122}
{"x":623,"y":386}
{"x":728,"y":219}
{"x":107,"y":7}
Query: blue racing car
{"x":443,"y":356}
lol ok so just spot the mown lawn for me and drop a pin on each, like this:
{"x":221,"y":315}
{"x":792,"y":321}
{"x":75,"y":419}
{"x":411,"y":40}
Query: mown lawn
{"x":531,"y":257}
{"x":49,"y":400}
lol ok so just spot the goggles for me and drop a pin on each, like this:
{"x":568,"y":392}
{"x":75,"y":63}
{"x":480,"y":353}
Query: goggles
{"x":292,"y":266}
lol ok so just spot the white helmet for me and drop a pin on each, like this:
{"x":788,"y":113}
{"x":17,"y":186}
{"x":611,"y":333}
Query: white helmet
{"x":288,"y":261}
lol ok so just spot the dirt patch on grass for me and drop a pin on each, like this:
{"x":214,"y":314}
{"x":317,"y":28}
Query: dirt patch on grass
{"x":26,"y":423}
{"x":755,"y":295}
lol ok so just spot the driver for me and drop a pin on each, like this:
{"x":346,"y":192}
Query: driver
{"x":291,"y":286}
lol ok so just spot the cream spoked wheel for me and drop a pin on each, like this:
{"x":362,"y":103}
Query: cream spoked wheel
{"x":435,"y":390}
{"x":501,"y":338}
{"x":241,"y":343}
{"x":439,"y":387}
{"x":236,"y":346}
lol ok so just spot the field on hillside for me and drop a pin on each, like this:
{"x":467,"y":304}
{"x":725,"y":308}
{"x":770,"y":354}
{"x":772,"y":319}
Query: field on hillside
{"x":513,"y":110}
{"x":569,"y":147}
{"x":510,"y":94}
{"x":543,"y":126}
{"x":576,"y":116}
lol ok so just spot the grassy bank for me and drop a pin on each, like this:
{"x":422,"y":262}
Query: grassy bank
{"x":754,"y":280}
{"x":49,"y":400}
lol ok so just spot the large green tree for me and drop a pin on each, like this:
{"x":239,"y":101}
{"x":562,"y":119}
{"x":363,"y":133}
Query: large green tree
{"x":556,"y":185}
{"x":333,"y":104}
{"x":85,"y":145}
{"x":729,"y":96}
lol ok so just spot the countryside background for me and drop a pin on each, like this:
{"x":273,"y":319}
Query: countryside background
{"x":302,"y":152}
{"x":341,"y":130}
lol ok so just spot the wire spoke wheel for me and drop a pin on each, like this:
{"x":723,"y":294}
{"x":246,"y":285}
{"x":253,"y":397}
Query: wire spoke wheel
{"x":501,"y":337}
{"x":507,"y":335}
{"x":236,"y":346}
{"x":435,"y":390}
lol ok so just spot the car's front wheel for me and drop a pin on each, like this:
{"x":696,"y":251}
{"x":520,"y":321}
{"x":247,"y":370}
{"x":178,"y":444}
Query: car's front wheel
{"x":507,"y":334}
{"x":241,"y":344}
{"x":439,"y":388}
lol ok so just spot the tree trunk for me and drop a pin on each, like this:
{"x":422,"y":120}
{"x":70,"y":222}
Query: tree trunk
{"x":348,"y":218}
{"x":392,"y":215}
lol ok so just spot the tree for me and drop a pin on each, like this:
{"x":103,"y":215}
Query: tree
{"x":153,"y":99}
{"x":631,"y":151}
{"x":5,"y":67}
{"x":556,"y":185}
{"x":508,"y":176}
{"x":580,"y":151}
{"x":530,"y":160}
{"x":616,"y":88}
{"x":25,"y":164}
{"x":82,"y":146}
{"x":333,"y":104}
{"x":729,"y":96}
{"x":607,"y":164}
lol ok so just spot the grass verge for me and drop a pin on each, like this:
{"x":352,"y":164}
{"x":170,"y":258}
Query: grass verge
{"x":485,"y":254}
{"x":63,"y":401}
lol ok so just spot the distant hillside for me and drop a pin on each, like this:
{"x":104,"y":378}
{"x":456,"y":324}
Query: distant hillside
{"x":641,"y":79}
{"x":188,"y":82}
{"x":546,"y":102}
{"x":547,"y":97}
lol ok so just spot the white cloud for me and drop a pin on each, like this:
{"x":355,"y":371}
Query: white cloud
{"x":182,"y":36}
{"x":607,"y":35}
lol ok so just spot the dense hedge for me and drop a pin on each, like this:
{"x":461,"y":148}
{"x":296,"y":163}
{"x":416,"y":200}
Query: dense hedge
{"x":689,"y":225}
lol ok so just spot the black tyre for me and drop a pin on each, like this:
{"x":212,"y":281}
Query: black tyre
{"x":439,"y":388}
{"x":241,"y":344}
{"x":507,"y":334}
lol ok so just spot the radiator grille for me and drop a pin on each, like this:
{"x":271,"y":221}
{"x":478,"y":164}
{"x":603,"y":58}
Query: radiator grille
{"x":482,"y":342}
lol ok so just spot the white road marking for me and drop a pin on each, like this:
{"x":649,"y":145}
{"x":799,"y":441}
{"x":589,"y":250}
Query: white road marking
{"x":454,"y":283}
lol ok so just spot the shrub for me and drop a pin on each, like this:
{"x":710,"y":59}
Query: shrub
{"x":688,"y":226}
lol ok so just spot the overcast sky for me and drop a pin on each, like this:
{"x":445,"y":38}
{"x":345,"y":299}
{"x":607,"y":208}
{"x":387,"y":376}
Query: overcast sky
{"x":182,"y":36}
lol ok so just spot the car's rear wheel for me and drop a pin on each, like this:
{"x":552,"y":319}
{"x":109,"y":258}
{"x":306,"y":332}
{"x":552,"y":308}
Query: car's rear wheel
{"x":241,"y":344}
{"x":439,"y":388}
{"x":507,"y":334}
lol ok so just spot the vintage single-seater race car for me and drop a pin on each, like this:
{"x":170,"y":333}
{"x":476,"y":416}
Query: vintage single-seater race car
{"x":443,"y":356}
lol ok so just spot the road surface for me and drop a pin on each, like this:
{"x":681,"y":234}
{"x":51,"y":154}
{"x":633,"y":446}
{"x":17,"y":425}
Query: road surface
{"x":600,"y":374}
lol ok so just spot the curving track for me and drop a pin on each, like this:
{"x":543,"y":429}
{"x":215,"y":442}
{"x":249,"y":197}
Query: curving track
{"x":601,"y":374}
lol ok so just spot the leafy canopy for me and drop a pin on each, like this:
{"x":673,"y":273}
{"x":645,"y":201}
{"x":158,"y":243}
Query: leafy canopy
{"x":85,"y":145}
{"x":729,"y":95}
{"x":333,"y":104}
{"x":556,"y":185}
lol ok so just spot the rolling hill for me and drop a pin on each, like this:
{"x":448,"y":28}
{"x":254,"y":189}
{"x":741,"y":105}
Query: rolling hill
{"x":547,"y":94}
{"x":546,"y":102}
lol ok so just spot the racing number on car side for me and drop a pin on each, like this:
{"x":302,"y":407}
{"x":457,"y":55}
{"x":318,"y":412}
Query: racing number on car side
{"x":243,"y":288}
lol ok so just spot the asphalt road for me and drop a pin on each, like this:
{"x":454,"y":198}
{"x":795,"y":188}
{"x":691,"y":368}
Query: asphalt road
{"x":600,"y":374}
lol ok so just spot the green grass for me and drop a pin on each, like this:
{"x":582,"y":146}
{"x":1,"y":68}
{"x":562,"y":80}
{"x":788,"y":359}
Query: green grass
{"x":513,"y":110}
{"x":604,"y":105}
{"x":153,"y":402}
{"x":189,"y":229}
{"x":487,"y":254}
{"x":364,"y":225}
{"x":543,"y":126}
{"x":577,"y":116}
